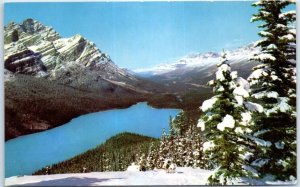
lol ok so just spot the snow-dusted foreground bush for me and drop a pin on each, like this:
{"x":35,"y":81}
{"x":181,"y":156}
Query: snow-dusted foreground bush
{"x":182,"y":176}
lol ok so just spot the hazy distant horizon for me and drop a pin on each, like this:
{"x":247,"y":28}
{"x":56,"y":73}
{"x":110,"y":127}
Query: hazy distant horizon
{"x":145,"y":34}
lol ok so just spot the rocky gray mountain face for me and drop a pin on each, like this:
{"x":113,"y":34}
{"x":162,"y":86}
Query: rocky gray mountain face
{"x":50,"y":80}
{"x":34,"y":49}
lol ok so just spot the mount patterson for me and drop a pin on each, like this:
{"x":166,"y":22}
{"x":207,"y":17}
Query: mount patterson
{"x":49,"y":79}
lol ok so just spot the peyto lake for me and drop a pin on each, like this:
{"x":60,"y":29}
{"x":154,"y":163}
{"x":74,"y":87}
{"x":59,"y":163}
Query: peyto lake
{"x":26,"y":154}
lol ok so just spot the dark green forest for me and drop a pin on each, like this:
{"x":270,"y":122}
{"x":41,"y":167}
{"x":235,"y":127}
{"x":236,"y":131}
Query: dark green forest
{"x":116,"y":154}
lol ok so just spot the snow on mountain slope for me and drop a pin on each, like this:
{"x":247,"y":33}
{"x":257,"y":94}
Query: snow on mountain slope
{"x":182,"y":176}
{"x":199,"y":61}
{"x":191,"y":73}
{"x":53,"y":50}
{"x":73,"y":61}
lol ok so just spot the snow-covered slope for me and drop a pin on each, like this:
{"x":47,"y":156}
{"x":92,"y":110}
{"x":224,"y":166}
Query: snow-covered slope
{"x":182,"y":176}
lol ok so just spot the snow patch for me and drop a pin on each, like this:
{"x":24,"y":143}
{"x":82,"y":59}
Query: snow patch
{"x":261,"y":142}
{"x":220,"y":89}
{"x":208,"y":145}
{"x":291,"y":13}
{"x":211,"y":82}
{"x":263,"y":57}
{"x":271,"y":94}
{"x":225,"y":67}
{"x":261,"y":132}
{"x":234,"y":74}
{"x":254,"y":107}
{"x":241,"y":92}
{"x":256,"y":74}
{"x":293,"y":31}
{"x":246,"y":118}
{"x":243,"y":83}
{"x":239,"y":100}
{"x":287,"y":37}
{"x":265,"y":33}
{"x":228,"y":121}
{"x":271,"y":47}
{"x":259,"y":162}
{"x":280,"y":26}
{"x":201,"y":124}
{"x":220,"y":75}
{"x":208,"y":104}
{"x":133,"y":167}
{"x":239,"y":130}
{"x":247,"y":155}
{"x":279,"y":145}
{"x":282,"y":106}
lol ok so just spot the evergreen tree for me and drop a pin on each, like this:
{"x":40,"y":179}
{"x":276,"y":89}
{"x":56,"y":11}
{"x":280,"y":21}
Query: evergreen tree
{"x":162,"y":150}
{"x":183,"y":150}
{"x":225,"y":123}
{"x":151,"y":158}
{"x":197,"y":148}
{"x":181,"y":123}
{"x":273,"y":84}
{"x":142,"y":163}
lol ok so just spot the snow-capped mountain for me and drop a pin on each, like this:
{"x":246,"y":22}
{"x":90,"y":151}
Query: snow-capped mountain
{"x":34,"y":49}
{"x":61,"y":78}
{"x":198,"y":61}
{"x":194,"y":70}
{"x":188,"y":62}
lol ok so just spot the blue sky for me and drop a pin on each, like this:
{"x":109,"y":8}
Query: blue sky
{"x":141,"y":35}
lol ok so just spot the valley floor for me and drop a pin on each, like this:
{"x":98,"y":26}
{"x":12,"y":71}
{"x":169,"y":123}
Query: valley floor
{"x":182,"y":176}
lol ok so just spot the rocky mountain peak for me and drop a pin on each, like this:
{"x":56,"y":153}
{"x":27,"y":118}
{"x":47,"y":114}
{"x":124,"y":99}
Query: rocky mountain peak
{"x":11,"y":26}
{"x":35,"y":49}
{"x":32,"y":26}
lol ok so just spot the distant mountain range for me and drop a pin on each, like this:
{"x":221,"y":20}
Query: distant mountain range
{"x":193,"y":71}
{"x":49,"y":79}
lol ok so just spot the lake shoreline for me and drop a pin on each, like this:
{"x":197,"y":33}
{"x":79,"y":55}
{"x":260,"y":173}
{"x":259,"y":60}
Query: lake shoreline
{"x":80,"y":134}
{"x":102,"y":110}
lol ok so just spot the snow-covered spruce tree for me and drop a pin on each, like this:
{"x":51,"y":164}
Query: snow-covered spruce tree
{"x":163,"y":150}
{"x":181,"y":148}
{"x":181,"y":123}
{"x":273,"y":85}
{"x":151,"y":158}
{"x":142,"y":163}
{"x":225,"y":122}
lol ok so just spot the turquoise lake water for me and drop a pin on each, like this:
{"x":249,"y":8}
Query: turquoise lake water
{"x":26,"y":154}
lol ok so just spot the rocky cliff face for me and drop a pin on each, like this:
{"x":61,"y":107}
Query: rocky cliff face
{"x":25,"y":62}
{"x":50,"y":80}
{"x":34,"y":49}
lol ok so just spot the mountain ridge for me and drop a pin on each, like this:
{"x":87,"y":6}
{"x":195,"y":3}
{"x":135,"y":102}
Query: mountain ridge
{"x":199,"y":60}
{"x":61,"y":78}
{"x":192,"y":72}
